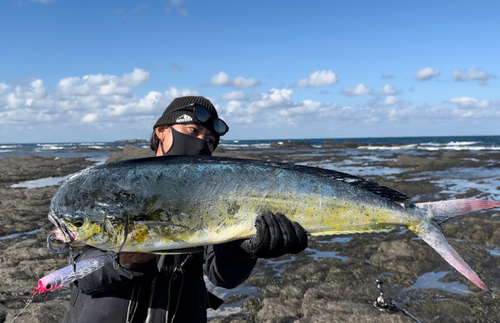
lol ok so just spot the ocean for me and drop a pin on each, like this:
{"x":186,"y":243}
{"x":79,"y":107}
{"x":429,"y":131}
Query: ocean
{"x":102,"y":149}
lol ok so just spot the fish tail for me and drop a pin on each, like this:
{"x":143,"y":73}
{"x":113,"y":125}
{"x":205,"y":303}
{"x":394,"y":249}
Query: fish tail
{"x":445,"y":210}
{"x":430,"y":231}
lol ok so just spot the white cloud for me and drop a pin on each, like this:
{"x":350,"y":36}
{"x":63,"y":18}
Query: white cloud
{"x":35,"y":90}
{"x":233,"y":106}
{"x":110,"y":102}
{"x":307,"y":107}
{"x":144,"y":105}
{"x":96,"y":79}
{"x":427,"y":73}
{"x":389,"y":90}
{"x":317,"y":79}
{"x":472,"y":74}
{"x":237,"y":95}
{"x":222,"y":79}
{"x":114,"y":89}
{"x":390,"y":100}
{"x":99,"y":84}
{"x":89,"y":118}
{"x":360,"y":89}
{"x":468,"y":102}
{"x":4,"y":87}
{"x":73,"y":86}
{"x":107,"y":100}
{"x":263,"y":107}
{"x":273,"y":98}
{"x":136,"y":78}
{"x":24,"y":93}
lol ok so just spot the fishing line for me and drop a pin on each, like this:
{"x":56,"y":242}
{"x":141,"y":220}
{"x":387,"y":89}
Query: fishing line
{"x":178,"y":298}
{"x":126,"y":232}
{"x":180,"y":269}
{"x":35,"y":291}
{"x":124,"y":241}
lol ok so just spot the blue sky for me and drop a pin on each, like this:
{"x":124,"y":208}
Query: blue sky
{"x":105,"y":70}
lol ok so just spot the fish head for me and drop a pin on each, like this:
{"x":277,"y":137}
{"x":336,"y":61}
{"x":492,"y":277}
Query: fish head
{"x":75,"y":230}
{"x":86,"y":213}
{"x":78,"y":229}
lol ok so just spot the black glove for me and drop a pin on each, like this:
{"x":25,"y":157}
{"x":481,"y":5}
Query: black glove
{"x":276,"y":236}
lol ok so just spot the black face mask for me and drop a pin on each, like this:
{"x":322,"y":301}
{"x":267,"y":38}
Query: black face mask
{"x":186,"y":145}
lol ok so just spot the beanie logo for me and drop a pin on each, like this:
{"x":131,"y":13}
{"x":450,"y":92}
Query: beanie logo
{"x":184,"y":119}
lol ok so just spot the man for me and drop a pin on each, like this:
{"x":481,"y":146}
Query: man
{"x":144,"y":287}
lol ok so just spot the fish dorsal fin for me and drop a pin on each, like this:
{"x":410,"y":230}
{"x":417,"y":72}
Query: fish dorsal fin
{"x":384,"y":191}
{"x":360,"y":182}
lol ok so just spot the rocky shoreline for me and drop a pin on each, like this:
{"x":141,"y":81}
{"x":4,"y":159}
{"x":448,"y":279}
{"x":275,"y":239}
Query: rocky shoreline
{"x":332,"y":281}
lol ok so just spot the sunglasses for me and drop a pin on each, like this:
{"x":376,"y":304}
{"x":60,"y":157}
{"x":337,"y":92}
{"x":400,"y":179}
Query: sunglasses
{"x":202,"y":115}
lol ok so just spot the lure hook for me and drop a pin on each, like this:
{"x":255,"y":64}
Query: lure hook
{"x":53,"y":250}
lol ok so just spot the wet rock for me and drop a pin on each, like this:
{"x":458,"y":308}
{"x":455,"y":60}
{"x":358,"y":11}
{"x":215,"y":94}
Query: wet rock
{"x":409,"y":257}
{"x":18,"y":169}
{"x":340,"y":145}
{"x":130,"y":152}
{"x":336,"y":303}
{"x":435,"y":162}
{"x":290,"y":144}
{"x":299,"y":288}
{"x":287,"y":310}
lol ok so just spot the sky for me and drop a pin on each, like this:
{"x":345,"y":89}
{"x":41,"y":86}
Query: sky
{"x":75,"y":70}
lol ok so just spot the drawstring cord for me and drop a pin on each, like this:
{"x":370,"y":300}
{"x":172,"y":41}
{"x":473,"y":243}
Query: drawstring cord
{"x":153,"y":283}
{"x":131,"y":311}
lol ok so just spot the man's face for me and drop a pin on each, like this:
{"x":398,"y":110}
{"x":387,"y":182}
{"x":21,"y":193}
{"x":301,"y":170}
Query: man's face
{"x":164,"y":133}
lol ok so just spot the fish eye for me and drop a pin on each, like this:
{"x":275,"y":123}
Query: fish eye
{"x":78,"y":221}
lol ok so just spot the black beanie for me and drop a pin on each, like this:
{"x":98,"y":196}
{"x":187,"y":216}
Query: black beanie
{"x":168,"y":118}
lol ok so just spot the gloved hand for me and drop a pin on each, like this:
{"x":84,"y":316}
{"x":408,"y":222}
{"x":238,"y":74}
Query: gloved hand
{"x":276,"y":236}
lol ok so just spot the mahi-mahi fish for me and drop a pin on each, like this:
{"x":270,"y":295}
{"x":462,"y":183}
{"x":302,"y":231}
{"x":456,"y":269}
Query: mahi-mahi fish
{"x":158,"y":204}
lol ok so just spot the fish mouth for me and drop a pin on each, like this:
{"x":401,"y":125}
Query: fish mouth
{"x":60,"y":235}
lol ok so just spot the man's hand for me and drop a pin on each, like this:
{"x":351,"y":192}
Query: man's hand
{"x":134,"y":257}
{"x":276,"y":236}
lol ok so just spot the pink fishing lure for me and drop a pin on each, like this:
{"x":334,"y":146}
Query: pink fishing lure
{"x":71,"y":273}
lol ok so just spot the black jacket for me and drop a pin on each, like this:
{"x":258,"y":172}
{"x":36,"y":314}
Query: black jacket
{"x":166,"y":286}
